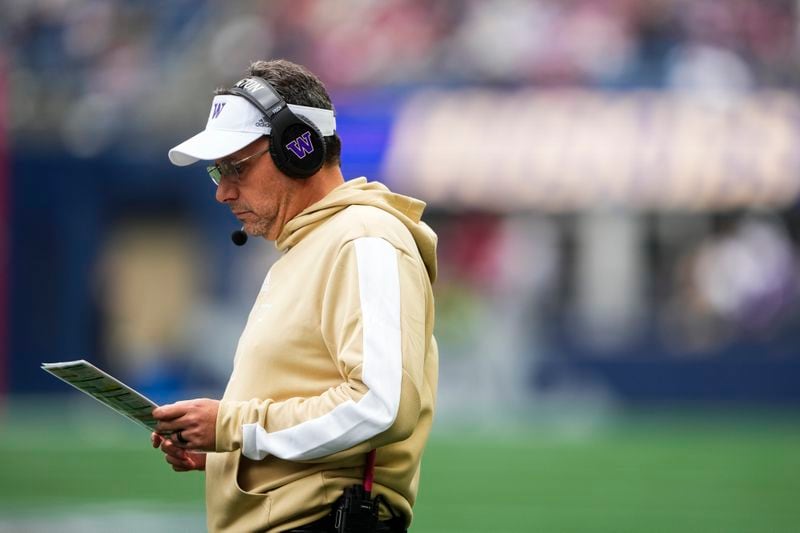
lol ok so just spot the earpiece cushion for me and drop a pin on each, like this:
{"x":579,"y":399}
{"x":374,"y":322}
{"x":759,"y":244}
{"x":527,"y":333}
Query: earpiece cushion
{"x":296,"y":145}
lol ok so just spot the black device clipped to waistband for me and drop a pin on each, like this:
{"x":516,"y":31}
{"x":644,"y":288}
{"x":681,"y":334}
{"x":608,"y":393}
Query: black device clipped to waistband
{"x":356,"y":510}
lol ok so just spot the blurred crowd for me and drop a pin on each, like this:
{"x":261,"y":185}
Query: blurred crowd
{"x":586,"y":42}
{"x":92,"y":80}
{"x":99,"y":66}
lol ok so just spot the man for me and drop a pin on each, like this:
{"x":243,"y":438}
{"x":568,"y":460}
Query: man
{"x":338,"y":356}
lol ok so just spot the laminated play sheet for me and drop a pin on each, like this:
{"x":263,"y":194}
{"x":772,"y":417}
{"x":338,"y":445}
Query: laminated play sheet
{"x":106,"y":389}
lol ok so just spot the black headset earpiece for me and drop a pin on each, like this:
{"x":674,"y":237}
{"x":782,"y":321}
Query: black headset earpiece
{"x":296,"y":145}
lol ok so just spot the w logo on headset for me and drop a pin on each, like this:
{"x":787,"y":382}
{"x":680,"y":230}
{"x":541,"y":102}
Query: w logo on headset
{"x":301,"y":146}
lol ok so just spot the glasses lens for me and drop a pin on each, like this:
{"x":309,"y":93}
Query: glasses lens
{"x":215,"y":174}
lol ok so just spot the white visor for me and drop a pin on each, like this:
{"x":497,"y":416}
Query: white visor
{"x":233,"y":123}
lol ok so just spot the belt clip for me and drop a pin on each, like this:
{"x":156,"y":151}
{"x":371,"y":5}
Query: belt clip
{"x":338,"y":520}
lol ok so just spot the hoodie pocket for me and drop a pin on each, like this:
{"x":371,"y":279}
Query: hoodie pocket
{"x":229,"y":507}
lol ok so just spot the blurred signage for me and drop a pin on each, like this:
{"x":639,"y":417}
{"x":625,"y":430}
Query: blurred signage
{"x":566,"y":150}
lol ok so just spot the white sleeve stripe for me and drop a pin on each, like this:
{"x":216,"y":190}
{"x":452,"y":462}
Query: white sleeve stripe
{"x":351,"y":423}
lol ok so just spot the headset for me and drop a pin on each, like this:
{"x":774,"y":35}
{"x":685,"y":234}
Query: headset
{"x":297,"y":147}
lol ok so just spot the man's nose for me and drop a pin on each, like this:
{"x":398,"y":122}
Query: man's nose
{"x":226,"y":191}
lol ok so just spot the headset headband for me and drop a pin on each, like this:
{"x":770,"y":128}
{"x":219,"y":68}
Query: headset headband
{"x":261,"y":94}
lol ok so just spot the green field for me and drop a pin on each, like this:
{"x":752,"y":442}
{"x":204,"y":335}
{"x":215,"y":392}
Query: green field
{"x":638,"y":473}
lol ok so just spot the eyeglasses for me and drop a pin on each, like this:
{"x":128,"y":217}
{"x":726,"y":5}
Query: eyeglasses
{"x":230,"y":168}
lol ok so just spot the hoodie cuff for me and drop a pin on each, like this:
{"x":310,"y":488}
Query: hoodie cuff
{"x":230,"y":418}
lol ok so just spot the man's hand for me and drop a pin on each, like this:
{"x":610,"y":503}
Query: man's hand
{"x":190,"y":424}
{"x":181,"y":460}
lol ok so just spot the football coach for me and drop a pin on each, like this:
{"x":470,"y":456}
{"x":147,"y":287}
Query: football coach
{"x":331,"y":396}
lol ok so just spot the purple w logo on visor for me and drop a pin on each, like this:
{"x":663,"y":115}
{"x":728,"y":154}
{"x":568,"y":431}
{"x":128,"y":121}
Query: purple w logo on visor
{"x":217,"y":109}
{"x":301,"y":146}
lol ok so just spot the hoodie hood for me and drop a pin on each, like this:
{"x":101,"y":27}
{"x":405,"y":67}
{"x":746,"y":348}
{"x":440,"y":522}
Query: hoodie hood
{"x":359,"y":192}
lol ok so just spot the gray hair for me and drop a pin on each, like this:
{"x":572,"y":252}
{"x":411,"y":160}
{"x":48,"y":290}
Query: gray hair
{"x":295,"y":83}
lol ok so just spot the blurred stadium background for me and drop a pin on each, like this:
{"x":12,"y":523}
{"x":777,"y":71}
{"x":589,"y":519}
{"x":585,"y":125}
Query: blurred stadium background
{"x":615,"y":186}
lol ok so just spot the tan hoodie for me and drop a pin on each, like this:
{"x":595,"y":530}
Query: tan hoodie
{"x":337,"y":358}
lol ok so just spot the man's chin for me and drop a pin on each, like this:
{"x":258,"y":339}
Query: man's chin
{"x":255,"y":229}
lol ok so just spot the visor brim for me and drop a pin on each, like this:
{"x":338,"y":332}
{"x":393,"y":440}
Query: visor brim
{"x":209,"y":145}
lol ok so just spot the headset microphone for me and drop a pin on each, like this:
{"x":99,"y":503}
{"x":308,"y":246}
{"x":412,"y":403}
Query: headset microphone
{"x":239,"y":237}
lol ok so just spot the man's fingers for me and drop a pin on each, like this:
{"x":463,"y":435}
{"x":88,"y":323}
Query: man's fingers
{"x":190,"y":462}
{"x":170,"y":411}
{"x":188,"y":435}
{"x":189,"y":420}
{"x":170,"y":448}
{"x":175,"y":461}
{"x":169,"y":426}
{"x":175,"y":456}
{"x":178,"y":463}
{"x":185,"y":465}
